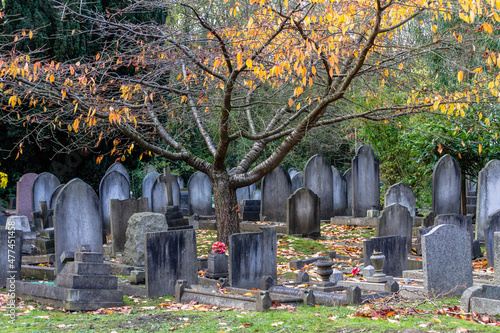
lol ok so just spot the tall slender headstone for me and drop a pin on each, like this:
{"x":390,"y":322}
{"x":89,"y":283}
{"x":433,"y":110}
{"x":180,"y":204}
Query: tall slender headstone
{"x":401,"y":194}
{"x":447,"y":263}
{"x":42,"y":189}
{"x":446,"y":186}
{"x":117,"y":166}
{"x":319,"y":178}
{"x":159,"y":197}
{"x":297,"y":181}
{"x":365,"y":182}
{"x":147,"y":187}
{"x":276,"y":187}
{"x":302,"y":217}
{"x":488,"y":198}
{"x":77,"y":220}
{"x":114,"y":185}
{"x":23,"y":195}
{"x":200,"y":194}
{"x":348,"y":183}
{"x":493,"y":227}
{"x":339,"y":193}
{"x":396,"y":221}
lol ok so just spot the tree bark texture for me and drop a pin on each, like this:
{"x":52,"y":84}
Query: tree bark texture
{"x":226,"y":206}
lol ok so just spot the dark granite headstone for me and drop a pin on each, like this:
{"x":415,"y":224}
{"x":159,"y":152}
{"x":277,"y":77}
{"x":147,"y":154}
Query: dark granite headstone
{"x":120,"y":213}
{"x":365,"y":182}
{"x":252,"y":256}
{"x":396,"y":221}
{"x":170,"y":256}
{"x":303,"y":209}
{"x":319,"y":178}
{"x":10,"y":262}
{"x":276,"y":187}
{"x":250,"y":210}
{"x":114,"y":185}
{"x":446,"y":186}
{"x":395,"y":251}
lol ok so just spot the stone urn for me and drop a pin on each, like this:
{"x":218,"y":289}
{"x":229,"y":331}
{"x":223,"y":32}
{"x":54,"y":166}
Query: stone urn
{"x":218,"y":266}
{"x":378,"y":260}
{"x":324,"y":270}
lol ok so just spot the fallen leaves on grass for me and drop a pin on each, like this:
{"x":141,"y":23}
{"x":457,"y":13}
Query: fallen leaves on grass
{"x":458,"y":313}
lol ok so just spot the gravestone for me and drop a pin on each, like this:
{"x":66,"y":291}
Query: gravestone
{"x":170,"y":256}
{"x":401,"y":194}
{"x":23,"y":195}
{"x":496,"y":250}
{"x":245,"y":193}
{"x":200,"y":194}
{"x":77,"y":220}
{"x":257,"y":195}
{"x":180,"y":181}
{"x":114,"y":185}
{"x":292,"y":172}
{"x":42,"y":189}
{"x":43,"y":217}
{"x":447,"y":263}
{"x":493,"y":227}
{"x":446,"y":186}
{"x":120,"y":213}
{"x":461,"y":221}
{"x":488,"y":200}
{"x":396,"y":221}
{"x":303,"y":209}
{"x":365,"y":182}
{"x":53,"y":197}
{"x":339,"y":193}
{"x":184,"y":201}
{"x":117,"y":166}
{"x":147,"y":187}
{"x":250,"y":210}
{"x":276,"y":187}
{"x":11,"y":256}
{"x":319,"y":178}
{"x":395,"y":251}
{"x":159,"y":197}
{"x":348,"y":183}
{"x":252,"y":256}
{"x":138,"y":225}
{"x":297,"y":181}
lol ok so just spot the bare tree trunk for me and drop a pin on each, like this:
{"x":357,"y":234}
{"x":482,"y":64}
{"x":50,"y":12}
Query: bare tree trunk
{"x":226,"y":206}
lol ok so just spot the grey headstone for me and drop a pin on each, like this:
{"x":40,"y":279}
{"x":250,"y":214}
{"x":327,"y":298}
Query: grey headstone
{"x":339,"y":193}
{"x":52,"y":201}
{"x":120,"y":213}
{"x":447,"y":263}
{"x":302,"y":213}
{"x":23,"y":195}
{"x":401,"y":194}
{"x":302,"y":277}
{"x":12,"y":268}
{"x":336,"y":276}
{"x":496,"y":250}
{"x":77,"y":219}
{"x":476,"y":249}
{"x":117,"y":166}
{"x":159,"y":197}
{"x":462,"y":221}
{"x":180,"y":181}
{"x":257,"y":195}
{"x":147,"y":187}
{"x":488,"y":200}
{"x":252,"y":256}
{"x":368,"y":271}
{"x":170,"y":256}
{"x":395,"y":251}
{"x":20,"y":223}
{"x":365,"y":182}
{"x":446,"y":186}
{"x":429,"y":220}
{"x":200,"y":194}
{"x":396,"y":221}
{"x":348,"y":182}
{"x":114,"y":185}
{"x":42,"y":189}
{"x":292,"y":172}
{"x":493,"y":227}
{"x":297,"y":181}
{"x":319,"y":178}
{"x":138,"y":225}
{"x":275,"y":190}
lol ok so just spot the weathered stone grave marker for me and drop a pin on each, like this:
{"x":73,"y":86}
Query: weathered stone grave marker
{"x":401,"y":194}
{"x":493,"y":227}
{"x":348,"y":183}
{"x":24,"y":195}
{"x":117,"y":166}
{"x":120,"y":213}
{"x":147,"y":187}
{"x":114,"y":185}
{"x":395,"y":250}
{"x":297,"y":181}
{"x":396,"y":221}
{"x":339,"y":193}
{"x":446,"y":186}
{"x":488,"y":198}
{"x":303,"y":212}
{"x":365,"y":181}
{"x":276,"y":187}
{"x":41,"y":191}
{"x":200,"y":194}
{"x":319,"y":178}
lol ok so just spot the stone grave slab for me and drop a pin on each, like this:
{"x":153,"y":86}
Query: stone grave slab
{"x":200,"y":194}
{"x":401,"y":194}
{"x":42,"y":189}
{"x":147,"y":187}
{"x":339,"y":193}
{"x":297,"y":181}
{"x":396,"y":221}
{"x":117,"y":166}
{"x":23,"y":195}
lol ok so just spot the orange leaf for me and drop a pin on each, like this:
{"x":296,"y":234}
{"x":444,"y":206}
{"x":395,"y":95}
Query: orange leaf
{"x":460,"y":76}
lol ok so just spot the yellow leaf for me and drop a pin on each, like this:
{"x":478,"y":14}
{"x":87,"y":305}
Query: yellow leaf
{"x":290,"y":102}
{"x":249,"y":63}
{"x":286,"y":4}
{"x":313,"y":70}
{"x":239,"y":59}
{"x":460,"y":76}
{"x":435,"y":105}
{"x":480,"y":148}
{"x":299,"y":91}
{"x":401,"y":66}
{"x":386,"y":72}
{"x":51,"y":78}
{"x":30,"y":34}
{"x":480,"y":116}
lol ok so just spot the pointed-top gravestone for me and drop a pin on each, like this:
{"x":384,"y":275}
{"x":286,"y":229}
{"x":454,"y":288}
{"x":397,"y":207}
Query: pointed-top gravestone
{"x":318,"y":177}
{"x":113,"y":185}
{"x":276,"y":187}
{"x":348,"y":184}
{"x":77,"y":220}
{"x":200,"y":194}
{"x":401,"y":194}
{"x":365,"y":182}
{"x":488,"y":198}
{"x":446,"y":186}
{"x":23,"y":195}
{"x":396,"y":221}
{"x":41,"y":191}
{"x":117,"y":166}
{"x":339,"y":193}
{"x":147,"y":187}
{"x":297,"y":181}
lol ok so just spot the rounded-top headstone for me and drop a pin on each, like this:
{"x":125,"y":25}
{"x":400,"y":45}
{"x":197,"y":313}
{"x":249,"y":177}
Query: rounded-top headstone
{"x":200,"y":194}
{"x":297,"y":181}
{"x":401,"y":194}
{"x":117,"y":166}
{"x":339,"y":193}
{"x":53,"y":196}
{"x":365,"y":181}
{"x":23,"y":195}
{"x":319,"y":178}
{"x":488,"y":200}
{"x":159,"y":197}
{"x":446,"y":186}
{"x":292,"y":172}
{"x":42,"y":189}
{"x":77,"y":219}
{"x":114,"y":185}
{"x":147,"y":187}
{"x":276,"y":188}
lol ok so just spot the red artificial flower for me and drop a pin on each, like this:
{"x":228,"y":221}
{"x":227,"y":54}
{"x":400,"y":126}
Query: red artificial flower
{"x":219,"y":247}
{"x":355,"y":271}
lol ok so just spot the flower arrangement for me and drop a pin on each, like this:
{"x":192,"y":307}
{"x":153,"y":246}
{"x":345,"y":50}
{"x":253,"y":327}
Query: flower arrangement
{"x":219,"y":247}
{"x":355,"y":271}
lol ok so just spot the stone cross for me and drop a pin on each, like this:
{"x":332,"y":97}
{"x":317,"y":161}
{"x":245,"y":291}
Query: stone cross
{"x":167,"y":180}
{"x":44,"y":214}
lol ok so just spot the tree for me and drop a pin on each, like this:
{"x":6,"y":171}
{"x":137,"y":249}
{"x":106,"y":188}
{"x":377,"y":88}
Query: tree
{"x":261,"y":75}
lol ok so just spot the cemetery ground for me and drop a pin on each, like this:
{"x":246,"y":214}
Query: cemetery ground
{"x":393,"y":313}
